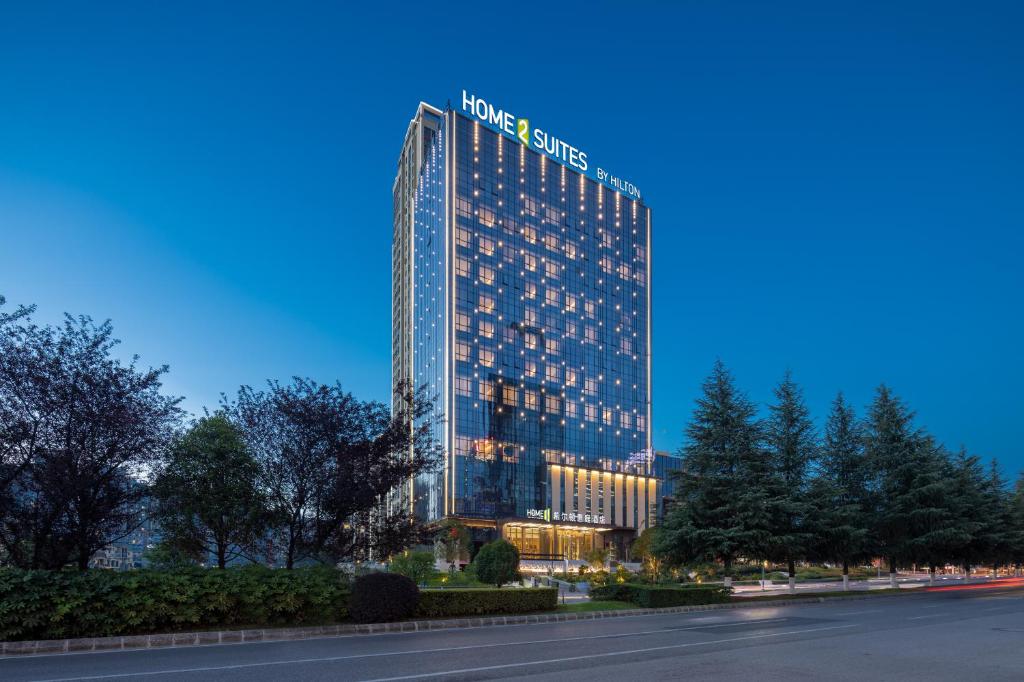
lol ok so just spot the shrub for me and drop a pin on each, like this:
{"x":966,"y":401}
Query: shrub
{"x":66,"y":604}
{"x":659,"y":596}
{"x":417,"y":566}
{"x":497,"y":563}
{"x":457,"y":603}
{"x":382,"y":597}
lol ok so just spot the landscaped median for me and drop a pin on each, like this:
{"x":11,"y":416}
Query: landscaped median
{"x":661,"y":596}
{"x":58,"y":605}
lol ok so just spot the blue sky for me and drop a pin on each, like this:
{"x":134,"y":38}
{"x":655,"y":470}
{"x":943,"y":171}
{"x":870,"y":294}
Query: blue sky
{"x":836,"y":187}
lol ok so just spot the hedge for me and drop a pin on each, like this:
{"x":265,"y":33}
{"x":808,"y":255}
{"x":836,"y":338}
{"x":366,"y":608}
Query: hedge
{"x":478,"y":602}
{"x":658,"y":596}
{"x":97,"y":603}
{"x":382,"y":598}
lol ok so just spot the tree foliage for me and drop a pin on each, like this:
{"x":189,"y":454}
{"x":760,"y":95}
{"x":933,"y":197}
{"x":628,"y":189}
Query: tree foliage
{"x":78,"y":427}
{"x":722,"y":490}
{"x":497,"y":563}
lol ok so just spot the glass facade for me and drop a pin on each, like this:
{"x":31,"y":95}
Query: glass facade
{"x":530,"y":322}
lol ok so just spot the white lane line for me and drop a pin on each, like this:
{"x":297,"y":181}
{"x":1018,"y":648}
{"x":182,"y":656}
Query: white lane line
{"x":857,"y":613}
{"x":931,"y":615}
{"x":603,"y":655}
{"x":330,"y":659}
{"x":933,"y":606}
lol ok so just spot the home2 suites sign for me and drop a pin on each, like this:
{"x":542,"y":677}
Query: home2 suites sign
{"x":538,"y":139}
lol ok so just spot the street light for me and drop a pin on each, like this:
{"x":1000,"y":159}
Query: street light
{"x":764,"y":565}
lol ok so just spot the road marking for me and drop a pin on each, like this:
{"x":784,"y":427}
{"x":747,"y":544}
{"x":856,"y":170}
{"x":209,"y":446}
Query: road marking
{"x":857,"y":613}
{"x":330,"y":659}
{"x":933,"y":606}
{"x":603,"y":655}
{"x":932,"y":615}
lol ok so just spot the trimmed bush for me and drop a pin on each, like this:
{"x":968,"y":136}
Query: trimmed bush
{"x":660,"y":596}
{"x":457,"y":603}
{"x":497,"y":563}
{"x":67,"y":604}
{"x":382,"y":598}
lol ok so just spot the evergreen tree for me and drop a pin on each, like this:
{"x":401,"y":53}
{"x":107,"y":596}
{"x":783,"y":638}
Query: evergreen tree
{"x":792,"y":448}
{"x":1016,"y":542}
{"x":968,"y":491}
{"x":997,"y":530}
{"x":840,"y":491}
{"x":906,"y":480}
{"x":722,"y":490}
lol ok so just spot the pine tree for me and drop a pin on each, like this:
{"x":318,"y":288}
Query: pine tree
{"x":968,"y":483}
{"x":997,"y":530}
{"x":1016,"y":542}
{"x":792,"y":446}
{"x":906,"y":481}
{"x":840,"y":491}
{"x":722,"y":490}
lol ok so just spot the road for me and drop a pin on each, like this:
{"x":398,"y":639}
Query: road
{"x":958,"y":634}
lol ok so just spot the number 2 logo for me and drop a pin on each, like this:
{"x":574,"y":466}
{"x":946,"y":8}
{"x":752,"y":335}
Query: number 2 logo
{"x":523,"y":130}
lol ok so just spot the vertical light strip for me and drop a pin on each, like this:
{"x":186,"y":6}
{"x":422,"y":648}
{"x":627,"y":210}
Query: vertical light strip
{"x":630,"y":522}
{"x":650,"y":374}
{"x":641,"y":504}
{"x":607,"y":495}
{"x":449,"y":341}
{"x":556,"y":491}
{"x":619,"y":496}
{"x":652,"y":500}
{"x":594,"y":489}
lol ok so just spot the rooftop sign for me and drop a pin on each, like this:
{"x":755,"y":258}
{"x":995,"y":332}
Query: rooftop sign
{"x":540,"y":140}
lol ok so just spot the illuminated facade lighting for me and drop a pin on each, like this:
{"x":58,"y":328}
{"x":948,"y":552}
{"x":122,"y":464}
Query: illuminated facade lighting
{"x":496,"y":275}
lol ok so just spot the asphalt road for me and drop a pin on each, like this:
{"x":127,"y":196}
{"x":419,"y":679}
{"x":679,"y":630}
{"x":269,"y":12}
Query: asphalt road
{"x":966,"y":634}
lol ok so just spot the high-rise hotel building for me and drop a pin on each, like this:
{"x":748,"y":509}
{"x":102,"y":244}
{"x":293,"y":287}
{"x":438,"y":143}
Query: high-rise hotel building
{"x":522,"y":300}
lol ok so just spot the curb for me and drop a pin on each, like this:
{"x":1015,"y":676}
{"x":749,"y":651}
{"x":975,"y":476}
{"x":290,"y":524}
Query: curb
{"x":207,"y":638}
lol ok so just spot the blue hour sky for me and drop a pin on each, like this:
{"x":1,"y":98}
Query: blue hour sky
{"x":836,"y":187}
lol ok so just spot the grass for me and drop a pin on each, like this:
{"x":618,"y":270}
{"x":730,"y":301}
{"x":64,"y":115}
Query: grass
{"x":583,"y":606}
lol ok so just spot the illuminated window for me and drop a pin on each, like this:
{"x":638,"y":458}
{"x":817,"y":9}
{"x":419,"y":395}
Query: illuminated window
{"x":532,"y":400}
{"x":624,"y":419}
{"x":486,"y":329}
{"x":462,"y":351}
{"x":552,"y":373}
{"x":486,"y":246}
{"x":530,"y":235}
{"x":607,"y":414}
{"x":641,"y":423}
{"x":531,"y":317}
{"x":462,"y":266}
{"x":464,"y":386}
{"x":570,"y":330}
{"x":531,"y":340}
{"x":510,"y":395}
{"x":486,"y":275}
{"x":487,"y":390}
{"x":552,"y":270}
{"x":570,"y":251}
{"x":530,"y":262}
{"x":531,"y":290}
{"x":551,"y":346}
{"x":591,"y":334}
{"x":590,"y":386}
{"x":531,"y":368}
{"x":552,"y":404}
{"x":570,"y":377}
{"x":462,"y":322}
{"x":570,"y":409}
{"x":463,"y":237}
{"x":591,"y":309}
{"x":570,"y":303}
{"x":551,"y":297}
{"x":486,"y":357}
{"x":486,"y":304}
{"x":591,"y":412}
